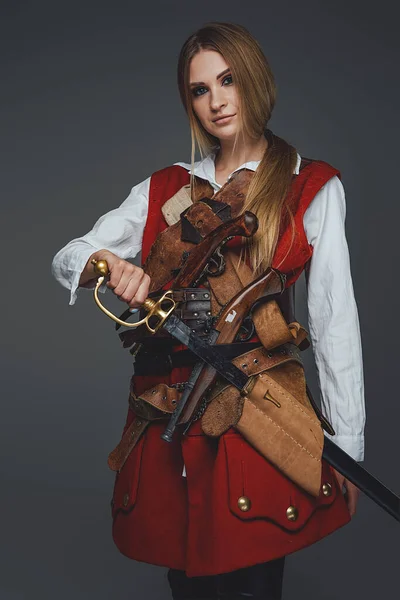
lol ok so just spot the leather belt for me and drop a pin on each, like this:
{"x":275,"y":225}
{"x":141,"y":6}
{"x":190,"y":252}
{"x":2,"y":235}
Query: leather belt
{"x":148,"y":363}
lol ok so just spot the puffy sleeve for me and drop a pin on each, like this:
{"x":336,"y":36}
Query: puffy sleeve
{"x":120,"y":231}
{"x":333,"y":319}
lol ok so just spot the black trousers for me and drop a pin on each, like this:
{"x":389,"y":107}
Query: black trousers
{"x":259,"y":582}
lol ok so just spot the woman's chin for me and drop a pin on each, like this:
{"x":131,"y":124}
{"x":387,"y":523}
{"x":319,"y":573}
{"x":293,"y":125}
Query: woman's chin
{"x":226,"y":134}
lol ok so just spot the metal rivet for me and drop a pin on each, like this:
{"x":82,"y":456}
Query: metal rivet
{"x":255,"y":361}
{"x":244,"y":366}
{"x":193,"y":331}
{"x":244,"y":503}
{"x":269,"y":354}
{"x":153,"y":391}
{"x":164,"y":397}
{"x":195,"y":314}
{"x":173,"y":401}
{"x":138,"y":423}
{"x":206,"y":295}
{"x":292,"y":513}
{"x":193,"y":296}
{"x":209,"y":313}
{"x":125,"y":500}
{"x":327,"y":489}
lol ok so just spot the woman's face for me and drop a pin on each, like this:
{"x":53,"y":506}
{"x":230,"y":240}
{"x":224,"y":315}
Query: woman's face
{"x":214,"y":96}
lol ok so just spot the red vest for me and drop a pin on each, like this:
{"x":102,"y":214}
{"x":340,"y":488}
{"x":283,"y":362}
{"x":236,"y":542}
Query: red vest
{"x":195,"y":523}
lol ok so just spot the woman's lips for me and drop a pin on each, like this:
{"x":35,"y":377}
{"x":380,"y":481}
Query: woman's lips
{"x":223,"y":120}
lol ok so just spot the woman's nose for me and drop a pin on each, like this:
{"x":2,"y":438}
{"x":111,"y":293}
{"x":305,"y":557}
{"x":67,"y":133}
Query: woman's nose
{"x":217,"y":100}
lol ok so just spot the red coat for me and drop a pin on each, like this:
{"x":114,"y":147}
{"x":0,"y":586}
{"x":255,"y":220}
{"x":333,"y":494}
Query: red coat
{"x":194,"y":523}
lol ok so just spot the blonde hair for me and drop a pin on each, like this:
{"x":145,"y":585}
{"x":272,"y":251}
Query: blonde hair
{"x":254,"y":81}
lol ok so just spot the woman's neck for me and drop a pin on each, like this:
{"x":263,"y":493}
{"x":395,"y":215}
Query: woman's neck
{"x":230,"y":157}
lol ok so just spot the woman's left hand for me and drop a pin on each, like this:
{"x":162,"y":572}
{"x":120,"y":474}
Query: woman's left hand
{"x":350,"y":492}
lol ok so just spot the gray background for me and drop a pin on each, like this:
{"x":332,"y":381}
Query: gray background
{"x":89,"y":107}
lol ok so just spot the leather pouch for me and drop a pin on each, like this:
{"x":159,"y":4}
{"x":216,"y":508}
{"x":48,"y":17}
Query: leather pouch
{"x":275,"y":417}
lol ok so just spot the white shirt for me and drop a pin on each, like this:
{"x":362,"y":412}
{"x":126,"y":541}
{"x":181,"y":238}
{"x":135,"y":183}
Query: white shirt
{"x":333,"y":318}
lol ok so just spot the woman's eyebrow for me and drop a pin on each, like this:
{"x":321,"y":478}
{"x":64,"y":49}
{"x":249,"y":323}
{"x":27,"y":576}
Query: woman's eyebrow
{"x":194,"y":83}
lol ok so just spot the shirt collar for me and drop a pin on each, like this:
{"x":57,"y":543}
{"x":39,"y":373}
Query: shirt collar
{"x":205,"y":168}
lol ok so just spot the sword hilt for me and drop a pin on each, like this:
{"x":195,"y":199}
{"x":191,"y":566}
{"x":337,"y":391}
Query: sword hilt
{"x":157,"y":310}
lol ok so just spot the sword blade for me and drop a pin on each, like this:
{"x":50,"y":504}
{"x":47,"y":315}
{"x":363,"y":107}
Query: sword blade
{"x":336,"y":457}
{"x":367,"y":483}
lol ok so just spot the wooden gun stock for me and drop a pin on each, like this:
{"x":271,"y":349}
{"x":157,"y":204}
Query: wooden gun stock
{"x":270,"y":283}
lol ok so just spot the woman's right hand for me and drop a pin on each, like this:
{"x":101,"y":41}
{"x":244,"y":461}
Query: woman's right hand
{"x":128,"y":282}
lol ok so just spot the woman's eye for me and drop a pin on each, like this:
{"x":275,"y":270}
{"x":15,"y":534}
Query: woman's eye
{"x":199,"y":91}
{"x":227,"y":80}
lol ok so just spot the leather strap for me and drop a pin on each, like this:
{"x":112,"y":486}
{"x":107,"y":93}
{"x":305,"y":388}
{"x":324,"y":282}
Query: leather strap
{"x":149,"y":362}
{"x":119,"y":455}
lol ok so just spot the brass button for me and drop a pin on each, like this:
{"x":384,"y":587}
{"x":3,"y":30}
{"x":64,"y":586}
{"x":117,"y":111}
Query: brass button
{"x":244,"y":503}
{"x":292,"y":513}
{"x":125,"y":499}
{"x":327,"y":489}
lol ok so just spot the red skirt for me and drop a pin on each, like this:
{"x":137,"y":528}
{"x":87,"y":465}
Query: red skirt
{"x":197,"y":523}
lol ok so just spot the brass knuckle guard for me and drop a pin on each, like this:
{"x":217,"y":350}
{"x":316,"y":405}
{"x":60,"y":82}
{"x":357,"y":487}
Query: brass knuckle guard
{"x":154,"y":308}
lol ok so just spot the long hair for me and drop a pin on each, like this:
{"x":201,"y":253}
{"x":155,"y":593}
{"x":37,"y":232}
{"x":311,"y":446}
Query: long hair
{"x":256,"y":89}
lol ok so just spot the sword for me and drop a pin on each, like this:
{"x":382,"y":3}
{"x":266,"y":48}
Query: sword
{"x":160,"y":315}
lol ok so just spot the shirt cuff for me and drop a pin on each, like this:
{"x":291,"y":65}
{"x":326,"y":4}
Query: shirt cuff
{"x":352,"y":444}
{"x":78,"y":268}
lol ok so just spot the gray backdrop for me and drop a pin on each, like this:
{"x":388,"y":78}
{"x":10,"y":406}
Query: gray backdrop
{"x":89,"y":108}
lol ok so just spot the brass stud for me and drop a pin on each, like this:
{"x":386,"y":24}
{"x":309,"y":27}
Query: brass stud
{"x":125,"y":500}
{"x":327,"y":489}
{"x":244,"y":503}
{"x":292,"y":513}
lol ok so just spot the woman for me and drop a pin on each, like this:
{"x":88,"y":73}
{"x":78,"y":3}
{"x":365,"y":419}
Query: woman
{"x":176,"y":505}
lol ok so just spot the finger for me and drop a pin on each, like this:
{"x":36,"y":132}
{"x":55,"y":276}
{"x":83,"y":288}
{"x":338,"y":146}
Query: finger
{"x":142,"y":292}
{"x":116,"y":271}
{"x":352,"y":499}
{"x":352,"y":495}
{"x":129,"y":277}
{"x":130,"y":290}
{"x":340,"y":479}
